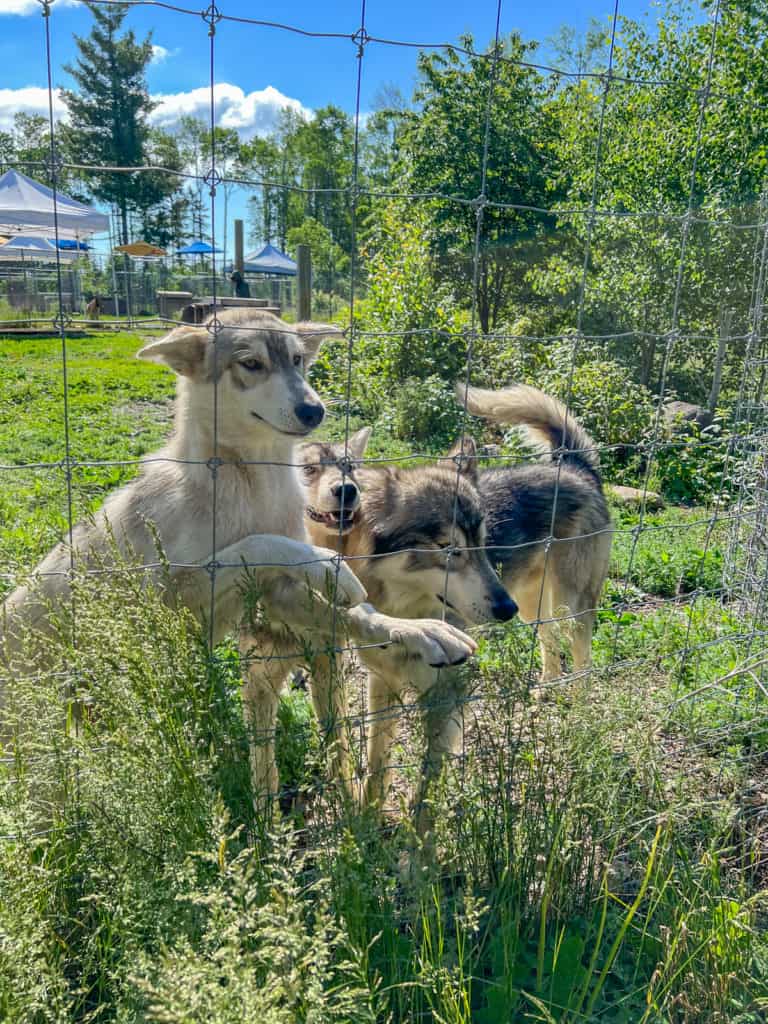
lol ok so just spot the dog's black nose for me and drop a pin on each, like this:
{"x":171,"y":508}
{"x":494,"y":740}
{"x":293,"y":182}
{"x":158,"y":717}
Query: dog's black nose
{"x":504,"y":608}
{"x":345,"y":494}
{"x":308,"y":414}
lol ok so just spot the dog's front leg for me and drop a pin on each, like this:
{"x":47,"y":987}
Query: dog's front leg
{"x":265,"y":556}
{"x":311,"y":635}
{"x":329,"y":697}
{"x":431,"y":641}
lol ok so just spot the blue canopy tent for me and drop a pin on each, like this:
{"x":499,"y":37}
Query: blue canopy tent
{"x":197,"y":249}
{"x":71,"y":244}
{"x":269,"y":260}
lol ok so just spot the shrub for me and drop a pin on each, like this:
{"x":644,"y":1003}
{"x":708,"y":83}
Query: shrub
{"x":426,"y":412}
{"x":690,"y":467}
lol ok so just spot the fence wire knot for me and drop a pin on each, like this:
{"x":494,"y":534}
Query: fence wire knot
{"x":214,"y":326}
{"x":214,"y":463}
{"x":212,"y":179}
{"x":212,"y":567}
{"x":45,"y":7}
{"x":345,"y":465}
{"x":54,"y":165}
{"x":61,"y":321}
{"x":361,"y":39}
{"x":212,"y":16}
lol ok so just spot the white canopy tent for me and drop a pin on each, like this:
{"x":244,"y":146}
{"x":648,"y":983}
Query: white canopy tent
{"x":26,"y":207}
{"x":30,"y":247}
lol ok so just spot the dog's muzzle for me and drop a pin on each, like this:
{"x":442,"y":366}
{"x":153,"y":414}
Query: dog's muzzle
{"x":504,"y":608}
{"x":336,"y":520}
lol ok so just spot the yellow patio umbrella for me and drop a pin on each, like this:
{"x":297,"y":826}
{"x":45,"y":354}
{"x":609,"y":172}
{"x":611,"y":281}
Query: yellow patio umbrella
{"x":140,"y":249}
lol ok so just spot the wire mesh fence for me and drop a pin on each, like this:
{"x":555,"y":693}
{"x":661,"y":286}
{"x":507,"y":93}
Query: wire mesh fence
{"x":681,"y":621}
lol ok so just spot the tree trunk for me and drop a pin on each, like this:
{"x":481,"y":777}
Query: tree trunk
{"x":648,"y":349}
{"x":726,"y":320}
{"x":123,"y":221}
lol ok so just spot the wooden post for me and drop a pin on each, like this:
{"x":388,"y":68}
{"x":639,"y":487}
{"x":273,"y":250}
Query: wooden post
{"x":304,"y":280}
{"x":239,"y":257}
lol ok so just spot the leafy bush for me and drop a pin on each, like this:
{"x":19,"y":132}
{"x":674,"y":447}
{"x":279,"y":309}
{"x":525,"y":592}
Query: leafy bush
{"x":412,"y":326}
{"x":692,"y":464}
{"x":426,"y":413}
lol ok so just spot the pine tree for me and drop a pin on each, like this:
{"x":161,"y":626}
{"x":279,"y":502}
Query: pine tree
{"x":109,"y":113}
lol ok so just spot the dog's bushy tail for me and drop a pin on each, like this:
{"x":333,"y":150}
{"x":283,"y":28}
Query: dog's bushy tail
{"x":545,"y":418}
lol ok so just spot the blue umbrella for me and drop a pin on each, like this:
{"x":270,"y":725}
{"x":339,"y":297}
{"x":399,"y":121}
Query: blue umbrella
{"x":197,"y":249}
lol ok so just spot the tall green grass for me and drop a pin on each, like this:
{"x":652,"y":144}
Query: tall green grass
{"x":592,"y":861}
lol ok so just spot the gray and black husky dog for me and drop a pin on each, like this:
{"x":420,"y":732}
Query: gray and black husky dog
{"x":423,"y":540}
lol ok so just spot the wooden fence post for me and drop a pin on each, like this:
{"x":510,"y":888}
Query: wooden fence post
{"x":304,"y":279}
{"x":239,"y":257}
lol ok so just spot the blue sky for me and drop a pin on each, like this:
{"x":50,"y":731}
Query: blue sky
{"x":258,"y":70}
{"x":311,"y":71}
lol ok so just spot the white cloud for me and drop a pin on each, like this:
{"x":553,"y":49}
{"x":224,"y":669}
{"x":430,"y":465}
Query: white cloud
{"x":159,"y":53}
{"x":24,"y":7}
{"x":31,"y":99}
{"x":253,"y":113}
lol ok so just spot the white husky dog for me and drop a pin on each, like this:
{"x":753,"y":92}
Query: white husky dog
{"x":243,"y":405}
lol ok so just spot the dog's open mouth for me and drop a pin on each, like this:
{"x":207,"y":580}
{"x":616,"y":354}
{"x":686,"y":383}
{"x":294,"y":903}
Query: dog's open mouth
{"x":338,"y":520}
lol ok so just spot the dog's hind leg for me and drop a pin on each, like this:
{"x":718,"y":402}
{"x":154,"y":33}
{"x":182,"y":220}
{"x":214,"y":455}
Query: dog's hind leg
{"x":384,"y":707}
{"x":329,"y":697}
{"x":264,"y":682}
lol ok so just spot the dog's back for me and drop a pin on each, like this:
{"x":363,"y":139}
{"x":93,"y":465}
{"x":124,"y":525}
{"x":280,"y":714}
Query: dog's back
{"x":548,"y":523}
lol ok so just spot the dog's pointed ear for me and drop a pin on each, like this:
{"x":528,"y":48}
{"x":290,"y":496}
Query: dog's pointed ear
{"x":183,"y":350}
{"x":464,"y":454}
{"x":358,"y":442}
{"x":313,"y":335}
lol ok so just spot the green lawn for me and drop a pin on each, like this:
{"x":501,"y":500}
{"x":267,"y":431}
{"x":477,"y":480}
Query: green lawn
{"x":118,"y":410}
{"x":602,"y":845}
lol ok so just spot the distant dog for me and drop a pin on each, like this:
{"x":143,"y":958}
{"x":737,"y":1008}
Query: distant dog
{"x":397,"y":528}
{"x":250,"y":424}
{"x":93,"y":309}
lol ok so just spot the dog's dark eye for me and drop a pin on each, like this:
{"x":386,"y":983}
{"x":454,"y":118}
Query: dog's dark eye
{"x":309,"y":470}
{"x":297,"y":360}
{"x":252,"y":364}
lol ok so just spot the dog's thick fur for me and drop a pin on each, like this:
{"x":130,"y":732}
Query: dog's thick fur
{"x":526,"y":505}
{"x":400,"y":538}
{"x":261,"y":406}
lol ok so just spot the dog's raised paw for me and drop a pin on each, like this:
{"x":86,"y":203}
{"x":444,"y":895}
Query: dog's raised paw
{"x":437,"y":643}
